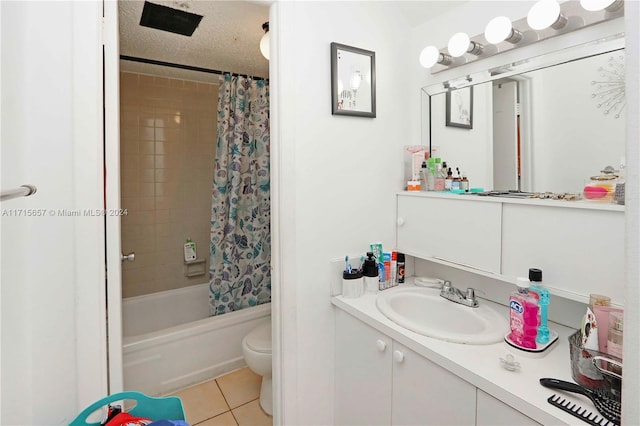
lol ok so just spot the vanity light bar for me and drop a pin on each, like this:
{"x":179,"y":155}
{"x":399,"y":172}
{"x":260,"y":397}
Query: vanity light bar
{"x":546,"y":19}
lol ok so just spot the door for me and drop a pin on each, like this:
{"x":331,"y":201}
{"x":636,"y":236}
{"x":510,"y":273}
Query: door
{"x":112,"y":194}
{"x":426,"y":394}
{"x":362,"y":373}
{"x":505,"y":136}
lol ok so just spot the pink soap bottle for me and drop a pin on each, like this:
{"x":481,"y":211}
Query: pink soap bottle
{"x":523,"y":316}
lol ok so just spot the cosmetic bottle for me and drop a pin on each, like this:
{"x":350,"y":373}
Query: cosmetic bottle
{"x":431,"y":176}
{"x":394,"y":268}
{"x":386,"y":282}
{"x":440,"y":176}
{"x":523,"y":316}
{"x":455,"y":184}
{"x":542,"y":295}
{"x":424,"y":172}
{"x":401,"y":268}
{"x":618,"y":194}
{"x":449,"y":180}
{"x":614,"y":338}
{"x":464,"y":183}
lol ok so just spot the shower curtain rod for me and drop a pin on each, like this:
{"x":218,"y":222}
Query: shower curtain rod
{"x":186,"y":67}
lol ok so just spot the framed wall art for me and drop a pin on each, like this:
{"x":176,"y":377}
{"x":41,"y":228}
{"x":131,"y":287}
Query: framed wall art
{"x":460,"y":108}
{"x":353,"y":81}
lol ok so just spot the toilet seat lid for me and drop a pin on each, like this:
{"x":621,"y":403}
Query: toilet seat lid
{"x":259,"y":339}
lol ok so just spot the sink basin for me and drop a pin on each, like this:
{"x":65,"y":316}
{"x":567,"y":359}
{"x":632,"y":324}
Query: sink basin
{"x":423,"y":311}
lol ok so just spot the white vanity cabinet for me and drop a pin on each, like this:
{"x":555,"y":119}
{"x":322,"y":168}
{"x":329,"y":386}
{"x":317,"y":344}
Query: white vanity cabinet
{"x":492,"y":412}
{"x":362,"y":373}
{"x":426,"y":394}
{"x":461,"y":231}
{"x":579,"y":245}
{"x":580,"y":251}
{"x":381,"y":382}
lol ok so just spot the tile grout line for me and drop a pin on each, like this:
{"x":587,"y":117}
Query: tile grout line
{"x":225,"y":401}
{"x":230,"y":409}
{"x":229,"y":405}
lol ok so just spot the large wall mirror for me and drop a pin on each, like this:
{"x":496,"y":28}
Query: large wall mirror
{"x":545,"y":124}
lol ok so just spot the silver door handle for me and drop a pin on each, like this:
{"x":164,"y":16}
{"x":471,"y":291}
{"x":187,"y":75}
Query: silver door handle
{"x":129,"y":257}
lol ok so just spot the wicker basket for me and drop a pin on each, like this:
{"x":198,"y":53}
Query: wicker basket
{"x":593,"y":369}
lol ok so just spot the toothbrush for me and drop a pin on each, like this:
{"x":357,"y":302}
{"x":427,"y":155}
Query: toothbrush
{"x":346,"y":263}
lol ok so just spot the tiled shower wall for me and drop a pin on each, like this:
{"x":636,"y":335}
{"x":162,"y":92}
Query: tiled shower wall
{"x":167,"y":148}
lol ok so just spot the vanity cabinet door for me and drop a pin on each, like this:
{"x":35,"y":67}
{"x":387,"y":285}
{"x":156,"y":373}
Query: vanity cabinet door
{"x":580,"y":251}
{"x":362,"y":373}
{"x":451,"y":228}
{"x":427,"y":394}
{"x":492,"y":412}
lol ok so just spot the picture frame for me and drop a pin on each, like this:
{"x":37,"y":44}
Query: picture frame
{"x":460,"y":108}
{"x":353,"y":81}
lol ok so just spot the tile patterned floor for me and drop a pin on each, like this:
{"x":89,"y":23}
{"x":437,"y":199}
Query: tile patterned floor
{"x":229,"y":400}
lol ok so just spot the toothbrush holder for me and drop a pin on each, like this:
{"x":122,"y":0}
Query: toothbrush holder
{"x":352,"y":284}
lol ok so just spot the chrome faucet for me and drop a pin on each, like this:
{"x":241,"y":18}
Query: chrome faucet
{"x":454,"y":294}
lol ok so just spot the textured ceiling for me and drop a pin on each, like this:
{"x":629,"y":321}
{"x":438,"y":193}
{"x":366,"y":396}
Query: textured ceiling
{"x":227,"y":39}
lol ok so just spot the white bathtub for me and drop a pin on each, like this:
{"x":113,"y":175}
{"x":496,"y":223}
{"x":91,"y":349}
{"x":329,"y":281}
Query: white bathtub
{"x":171,"y":342}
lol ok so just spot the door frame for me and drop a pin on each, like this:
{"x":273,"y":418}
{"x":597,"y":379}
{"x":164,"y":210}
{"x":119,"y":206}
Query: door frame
{"x":112,"y":194}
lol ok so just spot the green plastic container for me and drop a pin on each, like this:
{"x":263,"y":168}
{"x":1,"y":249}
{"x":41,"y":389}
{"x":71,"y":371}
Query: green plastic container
{"x":167,"y":408}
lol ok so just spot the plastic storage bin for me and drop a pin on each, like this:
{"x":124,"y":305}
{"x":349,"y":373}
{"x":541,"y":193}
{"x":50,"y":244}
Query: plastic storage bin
{"x":167,"y":408}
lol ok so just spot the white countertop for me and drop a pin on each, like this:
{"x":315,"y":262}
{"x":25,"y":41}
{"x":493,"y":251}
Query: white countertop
{"x":577,"y":204}
{"x":480,"y":364}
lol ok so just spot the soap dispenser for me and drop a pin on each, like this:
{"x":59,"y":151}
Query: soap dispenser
{"x":370,"y":272}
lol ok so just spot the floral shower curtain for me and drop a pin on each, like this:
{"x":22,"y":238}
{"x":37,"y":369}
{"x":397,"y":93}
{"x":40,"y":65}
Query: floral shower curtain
{"x":240,"y":267}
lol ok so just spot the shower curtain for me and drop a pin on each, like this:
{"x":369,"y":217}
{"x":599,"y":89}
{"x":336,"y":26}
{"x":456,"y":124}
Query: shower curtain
{"x":240,"y":267}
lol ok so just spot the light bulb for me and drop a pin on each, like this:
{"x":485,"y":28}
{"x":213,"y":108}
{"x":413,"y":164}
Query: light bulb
{"x":595,"y":5}
{"x":458,"y":44}
{"x":545,"y":14}
{"x":500,"y":29}
{"x":429,"y":56}
{"x":264,"y":45}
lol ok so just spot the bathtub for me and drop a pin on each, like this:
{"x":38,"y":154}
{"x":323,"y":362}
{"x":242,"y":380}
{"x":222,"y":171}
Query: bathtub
{"x":170,"y":341}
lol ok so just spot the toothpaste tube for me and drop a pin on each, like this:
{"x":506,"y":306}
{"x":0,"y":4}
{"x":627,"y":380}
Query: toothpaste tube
{"x":376,"y":248}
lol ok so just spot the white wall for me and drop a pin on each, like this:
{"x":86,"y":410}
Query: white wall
{"x":471,"y":18}
{"x":568,"y":151}
{"x":52,"y":267}
{"x":469,"y":150}
{"x":338,"y":177}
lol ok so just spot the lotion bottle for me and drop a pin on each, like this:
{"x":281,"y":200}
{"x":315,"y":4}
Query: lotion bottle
{"x":523,"y":316}
{"x":190,"y":251}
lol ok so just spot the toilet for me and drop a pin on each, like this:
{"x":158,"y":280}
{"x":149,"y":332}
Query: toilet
{"x":256,"y":347}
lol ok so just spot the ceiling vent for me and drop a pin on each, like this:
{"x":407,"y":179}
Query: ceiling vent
{"x":167,"y":19}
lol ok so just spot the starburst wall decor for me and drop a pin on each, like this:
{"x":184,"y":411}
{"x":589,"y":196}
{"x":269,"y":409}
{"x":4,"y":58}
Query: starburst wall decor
{"x":610,"y":90}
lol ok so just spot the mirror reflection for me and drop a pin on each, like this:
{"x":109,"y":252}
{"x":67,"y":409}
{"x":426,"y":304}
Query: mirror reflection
{"x":545,"y":130}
